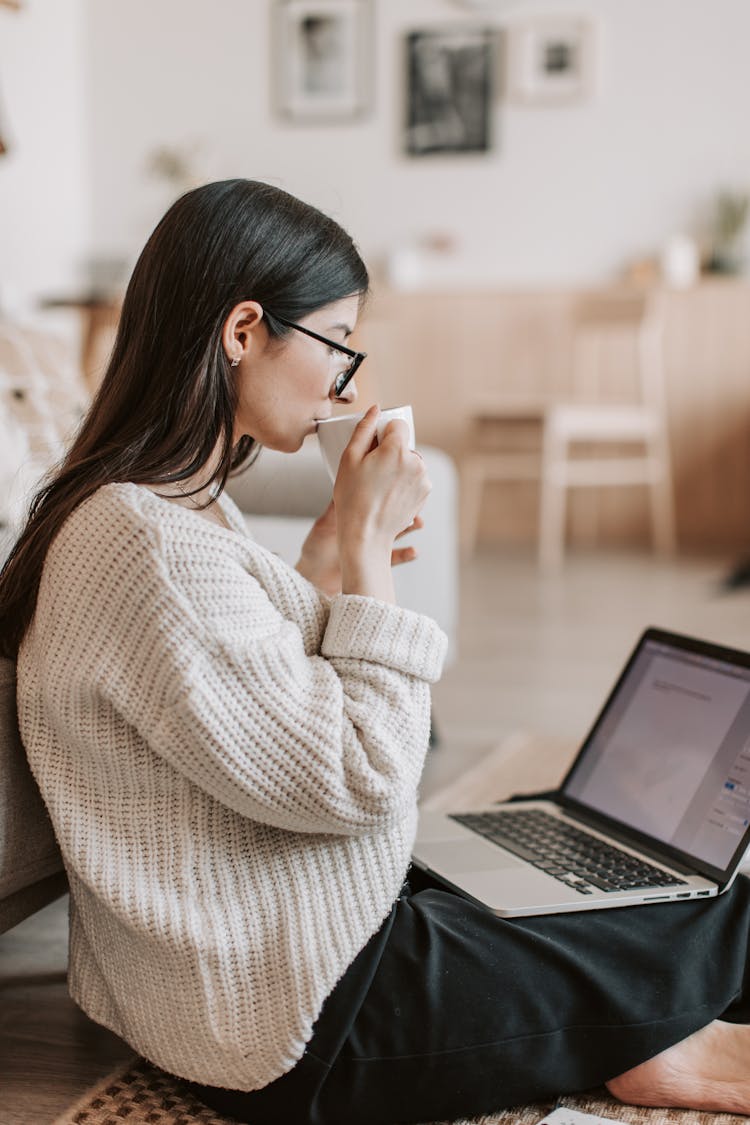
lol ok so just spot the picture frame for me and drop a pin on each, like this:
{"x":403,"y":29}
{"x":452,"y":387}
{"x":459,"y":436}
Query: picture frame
{"x":450,"y":78}
{"x":322,"y":60}
{"x":550,"y":61}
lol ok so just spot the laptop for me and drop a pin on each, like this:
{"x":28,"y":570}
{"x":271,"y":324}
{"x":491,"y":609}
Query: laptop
{"x":655,"y":807}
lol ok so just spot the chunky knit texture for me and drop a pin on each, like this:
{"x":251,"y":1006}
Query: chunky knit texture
{"x":231,"y":761}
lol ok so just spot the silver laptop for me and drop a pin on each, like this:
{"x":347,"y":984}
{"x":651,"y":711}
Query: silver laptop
{"x":656,"y":806}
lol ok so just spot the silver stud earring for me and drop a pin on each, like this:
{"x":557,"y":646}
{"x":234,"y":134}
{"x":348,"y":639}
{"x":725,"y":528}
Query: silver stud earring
{"x":235,"y":362}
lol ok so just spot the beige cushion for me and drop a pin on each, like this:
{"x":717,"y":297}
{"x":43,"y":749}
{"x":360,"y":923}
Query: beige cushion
{"x":28,"y":850}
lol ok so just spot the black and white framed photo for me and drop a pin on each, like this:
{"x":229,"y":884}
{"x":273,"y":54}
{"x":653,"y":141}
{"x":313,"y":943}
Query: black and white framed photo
{"x":551,"y":61}
{"x":449,"y":90}
{"x":322,"y":59}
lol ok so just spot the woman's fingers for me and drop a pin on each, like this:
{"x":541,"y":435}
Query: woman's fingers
{"x":380,"y":487}
{"x":363,"y":436}
{"x":406,"y":554}
{"x":415,"y":525}
{"x":396,"y":429}
{"x":403,"y":555}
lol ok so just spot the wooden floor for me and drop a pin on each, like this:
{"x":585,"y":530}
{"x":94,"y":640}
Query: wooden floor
{"x":540,"y":653}
{"x":533,"y":655}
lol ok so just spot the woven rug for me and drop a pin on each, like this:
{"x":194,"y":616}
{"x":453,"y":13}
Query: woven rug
{"x":137,"y":1093}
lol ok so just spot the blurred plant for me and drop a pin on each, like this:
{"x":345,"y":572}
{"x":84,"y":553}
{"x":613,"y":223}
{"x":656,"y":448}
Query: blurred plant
{"x":439,"y":242}
{"x":175,"y":164}
{"x":731,"y":209}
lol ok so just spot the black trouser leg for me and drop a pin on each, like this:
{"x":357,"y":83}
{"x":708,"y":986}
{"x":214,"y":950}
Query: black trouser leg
{"x":467,"y":1013}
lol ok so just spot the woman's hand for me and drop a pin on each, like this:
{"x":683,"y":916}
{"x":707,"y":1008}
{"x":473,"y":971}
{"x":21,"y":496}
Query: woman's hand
{"x":379,"y":491}
{"x":319,"y":561}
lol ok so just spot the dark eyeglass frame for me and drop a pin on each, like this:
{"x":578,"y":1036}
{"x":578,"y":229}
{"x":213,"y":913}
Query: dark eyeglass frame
{"x":343,"y":380}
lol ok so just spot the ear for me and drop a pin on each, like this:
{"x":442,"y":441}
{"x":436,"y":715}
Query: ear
{"x":240,"y":328}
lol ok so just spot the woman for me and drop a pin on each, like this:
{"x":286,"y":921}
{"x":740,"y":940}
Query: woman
{"x":230,"y":749}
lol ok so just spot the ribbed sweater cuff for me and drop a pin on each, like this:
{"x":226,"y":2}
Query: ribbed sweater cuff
{"x":362,"y":628}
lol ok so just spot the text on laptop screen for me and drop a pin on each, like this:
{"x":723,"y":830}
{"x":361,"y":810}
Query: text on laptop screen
{"x":671,"y":756}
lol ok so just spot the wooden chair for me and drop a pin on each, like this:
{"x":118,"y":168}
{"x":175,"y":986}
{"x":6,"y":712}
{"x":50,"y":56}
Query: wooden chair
{"x":596,"y":437}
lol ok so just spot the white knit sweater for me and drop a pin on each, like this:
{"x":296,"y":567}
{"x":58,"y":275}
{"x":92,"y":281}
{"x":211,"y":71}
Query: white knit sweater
{"x":231,"y":762}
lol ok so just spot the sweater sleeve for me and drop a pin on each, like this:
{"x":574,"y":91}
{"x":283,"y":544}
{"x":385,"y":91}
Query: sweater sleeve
{"x":306,"y":743}
{"x":226,"y":685}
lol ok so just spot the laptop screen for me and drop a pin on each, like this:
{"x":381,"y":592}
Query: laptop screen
{"x":669,"y":755}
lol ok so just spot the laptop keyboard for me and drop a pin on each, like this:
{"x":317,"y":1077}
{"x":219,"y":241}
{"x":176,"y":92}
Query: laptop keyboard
{"x":569,"y":854}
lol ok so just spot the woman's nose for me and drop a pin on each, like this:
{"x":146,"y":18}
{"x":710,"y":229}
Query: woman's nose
{"x":348,"y":395}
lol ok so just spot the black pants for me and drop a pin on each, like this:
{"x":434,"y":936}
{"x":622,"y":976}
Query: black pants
{"x":451,"y":1012}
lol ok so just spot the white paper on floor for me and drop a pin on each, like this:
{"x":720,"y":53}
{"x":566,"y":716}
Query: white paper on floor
{"x":564,"y":1116}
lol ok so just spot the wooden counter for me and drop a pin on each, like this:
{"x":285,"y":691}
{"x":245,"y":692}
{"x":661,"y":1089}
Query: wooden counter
{"x":441,"y":350}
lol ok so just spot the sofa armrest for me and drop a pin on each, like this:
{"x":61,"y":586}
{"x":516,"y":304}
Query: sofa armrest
{"x":284,"y":484}
{"x":27,"y":900}
{"x":282,"y":493}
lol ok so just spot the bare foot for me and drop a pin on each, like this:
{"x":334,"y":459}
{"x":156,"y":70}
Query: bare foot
{"x":710,"y":1070}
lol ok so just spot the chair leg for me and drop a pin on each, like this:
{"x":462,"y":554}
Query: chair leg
{"x":552,"y":503}
{"x":661,"y":499}
{"x":553,"y":506}
{"x":662,"y":508}
{"x":472,"y":482}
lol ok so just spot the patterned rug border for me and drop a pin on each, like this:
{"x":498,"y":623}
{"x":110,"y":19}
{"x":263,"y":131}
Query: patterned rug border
{"x":116,"y":1075}
{"x":141,"y":1094}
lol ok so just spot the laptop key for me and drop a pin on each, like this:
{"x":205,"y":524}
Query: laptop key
{"x":514,"y":847}
{"x":601,"y":884}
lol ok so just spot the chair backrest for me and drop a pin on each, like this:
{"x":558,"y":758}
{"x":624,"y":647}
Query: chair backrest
{"x":28,"y":849}
{"x":617,"y":349}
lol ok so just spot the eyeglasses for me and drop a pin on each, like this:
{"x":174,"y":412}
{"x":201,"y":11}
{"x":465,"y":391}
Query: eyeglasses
{"x":346,"y":376}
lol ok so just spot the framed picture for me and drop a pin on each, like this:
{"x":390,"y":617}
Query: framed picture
{"x":550,"y":61}
{"x":322,"y":59}
{"x":449,"y":90}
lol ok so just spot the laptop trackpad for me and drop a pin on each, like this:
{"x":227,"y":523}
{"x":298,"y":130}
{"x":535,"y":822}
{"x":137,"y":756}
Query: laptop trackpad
{"x":466,"y":855}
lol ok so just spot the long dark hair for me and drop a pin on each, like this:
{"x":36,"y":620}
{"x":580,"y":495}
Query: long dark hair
{"x":168,"y":398}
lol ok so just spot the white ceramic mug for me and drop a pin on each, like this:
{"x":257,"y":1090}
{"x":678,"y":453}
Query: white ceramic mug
{"x":334,"y":434}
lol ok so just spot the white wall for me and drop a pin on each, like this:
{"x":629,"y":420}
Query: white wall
{"x":44,"y":177}
{"x":568,"y":194}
